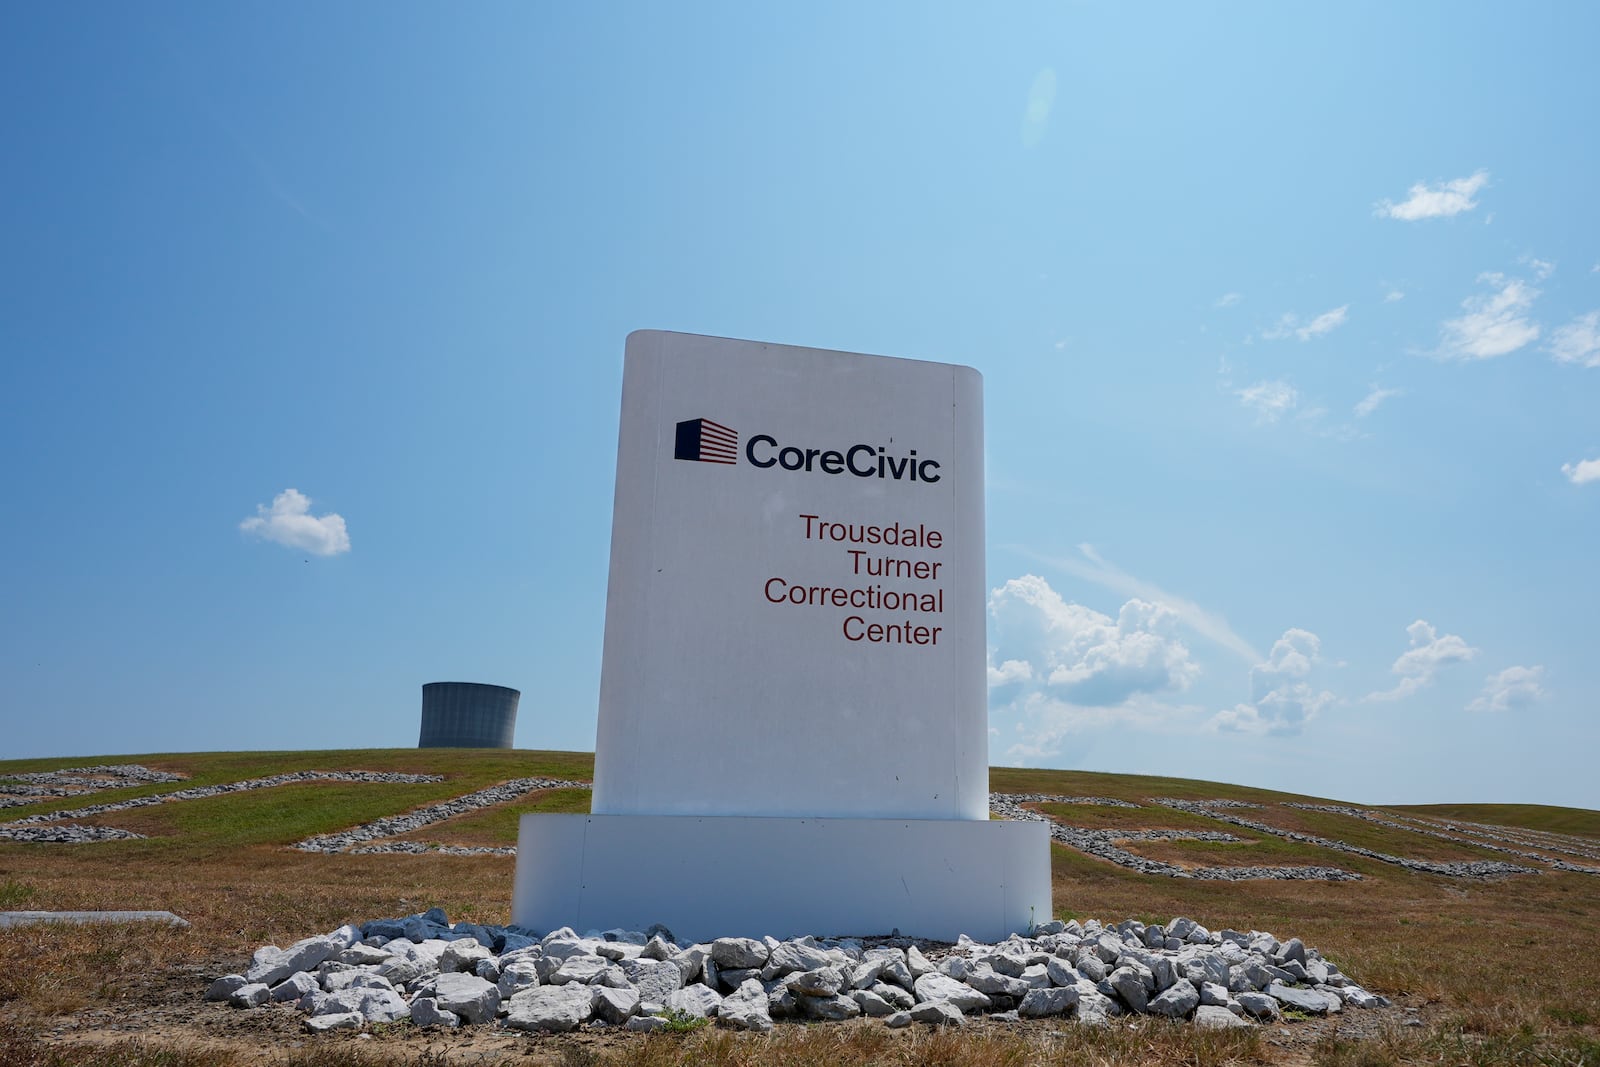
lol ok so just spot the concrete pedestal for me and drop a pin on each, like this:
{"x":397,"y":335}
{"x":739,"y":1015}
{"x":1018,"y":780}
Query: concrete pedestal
{"x":743,"y":876}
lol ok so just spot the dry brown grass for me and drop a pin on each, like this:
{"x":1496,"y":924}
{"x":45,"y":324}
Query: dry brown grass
{"x":1499,"y":969}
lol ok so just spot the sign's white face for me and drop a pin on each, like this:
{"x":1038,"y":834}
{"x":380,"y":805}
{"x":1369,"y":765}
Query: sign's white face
{"x":795,"y":617}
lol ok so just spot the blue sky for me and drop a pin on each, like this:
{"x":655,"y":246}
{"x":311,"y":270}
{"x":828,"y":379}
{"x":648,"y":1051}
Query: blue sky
{"x":1289,"y":317}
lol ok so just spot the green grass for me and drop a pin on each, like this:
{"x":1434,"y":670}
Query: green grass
{"x":13,"y":894}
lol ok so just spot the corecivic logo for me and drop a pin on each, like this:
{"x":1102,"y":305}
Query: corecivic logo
{"x":705,"y":441}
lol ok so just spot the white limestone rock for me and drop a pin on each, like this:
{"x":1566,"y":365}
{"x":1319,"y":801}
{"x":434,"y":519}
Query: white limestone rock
{"x":293,"y":987}
{"x":1127,"y":984}
{"x":897,"y":972}
{"x":1056,"y":1000}
{"x":985,"y":980}
{"x":697,"y":1000}
{"x":822,"y":982}
{"x":871,"y":1003}
{"x":272,"y":965}
{"x":658,"y":948}
{"x":900,"y":998}
{"x":1212,"y":1017}
{"x":656,"y":980}
{"x":425,"y":1011}
{"x":1061,"y":973}
{"x":463,"y":954}
{"x":833,"y":1008}
{"x":1176,"y":1002}
{"x":866,"y":973}
{"x":554,"y":1008}
{"x":1358,"y":997}
{"x":938,"y":987}
{"x":1306,"y":1000}
{"x":225,"y":987}
{"x":1259,"y":1005}
{"x":936,"y":1013}
{"x":334,"y":981}
{"x":746,"y":1008}
{"x":362,"y":955}
{"x":381,"y":1005}
{"x":580,"y":969}
{"x":739,"y":953}
{"x":251,"y":995}
{"x":345,"y":1020}
{"x":347,"y":936}
{"x":466,"y":995}
{"x":616,"y":1005}
{"x":1037,"y":976}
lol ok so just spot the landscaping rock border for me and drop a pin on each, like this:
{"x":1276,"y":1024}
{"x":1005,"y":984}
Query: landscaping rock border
{"x":436,"y":974}
{"x":34,"y":828}
{"x":1452,"y":868}
{"x":1103,"y":844}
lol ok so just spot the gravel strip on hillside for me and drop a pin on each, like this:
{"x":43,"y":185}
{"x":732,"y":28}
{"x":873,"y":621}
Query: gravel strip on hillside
{"x":1454,"y":869}
{"x":1102,"y":844}
{"x":394,"y":825}
{"x":1457,"y":839}
{"x":27,"y":828}
{"x":128,"y":773}
{"x":1051,"y":798}
{"x":1567,"y":844}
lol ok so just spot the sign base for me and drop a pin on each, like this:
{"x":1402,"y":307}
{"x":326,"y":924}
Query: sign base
{"x":743,"y":876}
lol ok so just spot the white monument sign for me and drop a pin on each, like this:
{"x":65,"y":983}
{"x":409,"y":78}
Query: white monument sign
{"x":793,"y":698}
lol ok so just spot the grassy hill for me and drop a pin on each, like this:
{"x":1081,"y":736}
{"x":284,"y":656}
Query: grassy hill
{"x":1496,"y":967}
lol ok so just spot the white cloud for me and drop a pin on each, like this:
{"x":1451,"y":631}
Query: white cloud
{"x":1041,"y":101}
{"x":1009,"y":672}
{"x":1045,"y":725}
{"x":1061,"y":345}
{"x":1419,"y":664}
{"x":1578,"y":341}
{"x":1227,"y":300}
{"x":1582,"y":472}
{"x":1513,"y":689}
{"x":1289,"y":325}
{"x":1323,"y":323}
{"x":1282,"y":701}
{"x":1436,"y":201}
{"x":1269,"y":400}
{"x":289,"y":522}
{"x":1494,"y":324}
{"x":1094,"y":568}
{"x":1542,"y":268}
{"x":1377,"y":395}
{"x":1393,"y":295}
{"x":1078,"y":655}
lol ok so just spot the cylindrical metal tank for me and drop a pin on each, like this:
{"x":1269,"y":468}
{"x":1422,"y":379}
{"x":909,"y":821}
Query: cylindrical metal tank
{"x":468,"y":715}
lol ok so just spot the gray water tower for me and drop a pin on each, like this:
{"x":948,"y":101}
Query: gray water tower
{"x":468,"y":715}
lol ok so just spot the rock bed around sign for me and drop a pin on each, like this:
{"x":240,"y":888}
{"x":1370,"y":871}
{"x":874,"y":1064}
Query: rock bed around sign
{"x":424,"y":969}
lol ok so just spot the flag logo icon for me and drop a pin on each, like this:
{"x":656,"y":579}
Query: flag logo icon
{"x":706,"y":442}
